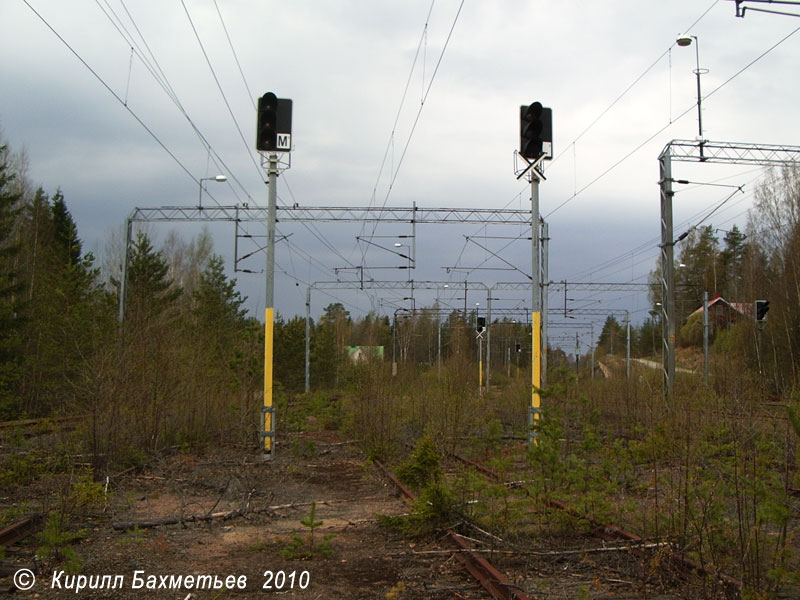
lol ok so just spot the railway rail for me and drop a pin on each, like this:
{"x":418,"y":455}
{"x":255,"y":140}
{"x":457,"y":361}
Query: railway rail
{"x":492,"y":580}
{"x":10,"y":535}
{"x":19,"y":530}
{"x":611,"y":532}
{"x":33,"y":427}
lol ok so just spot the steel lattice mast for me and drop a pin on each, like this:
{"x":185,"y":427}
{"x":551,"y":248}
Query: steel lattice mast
{"x":706,"y":151}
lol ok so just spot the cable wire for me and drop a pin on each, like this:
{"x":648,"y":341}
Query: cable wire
{"x":221,"y":91}
{"x":235,"y":57}
{"x":419,"y":113}
{"x":154,"y":68}
{"x":112,"y":92}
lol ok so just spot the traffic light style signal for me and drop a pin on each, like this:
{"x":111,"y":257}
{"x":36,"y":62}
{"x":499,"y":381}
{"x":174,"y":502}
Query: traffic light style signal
{"x":762,"y":306}
{"x":274,"y":126}
{"x":535,"y":131}
{"x":481,"y":324}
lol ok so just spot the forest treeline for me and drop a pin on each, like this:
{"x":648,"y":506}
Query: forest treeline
{"x":186,"y":364}
{"x":183,"y":368}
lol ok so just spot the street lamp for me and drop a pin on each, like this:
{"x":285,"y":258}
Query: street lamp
{"x":218,"y":178}
{"x":687,"y":41}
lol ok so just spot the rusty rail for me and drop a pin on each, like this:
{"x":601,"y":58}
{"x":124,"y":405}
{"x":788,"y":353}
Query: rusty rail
{"x":608,"y":531}
{"x":492,"y":580}
{"x":19,"y":530}
{"x":482,"y":468}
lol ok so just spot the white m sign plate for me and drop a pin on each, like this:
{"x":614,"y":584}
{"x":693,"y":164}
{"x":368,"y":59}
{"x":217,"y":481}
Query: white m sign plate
{"x":284,"y":142}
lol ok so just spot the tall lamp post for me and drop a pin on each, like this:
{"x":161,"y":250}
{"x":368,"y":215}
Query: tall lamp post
{"x":218,"y":178}
{"x":687,"y":41}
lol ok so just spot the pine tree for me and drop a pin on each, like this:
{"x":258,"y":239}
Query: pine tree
{"x":217,"y":324}
{"x":217,"y":354}
{"x":330,"y":337}
{"x":218,"y":303}
{"x":66,"y":232}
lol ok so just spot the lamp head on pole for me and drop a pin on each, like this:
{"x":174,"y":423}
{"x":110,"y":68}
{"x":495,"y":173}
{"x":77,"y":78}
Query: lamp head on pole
{"x":684,"y":41}
{"x":218,"y":178}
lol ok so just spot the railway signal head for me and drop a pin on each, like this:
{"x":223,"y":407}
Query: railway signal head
{"x":535,"y":131}
{"x":762,"y":306}
{"x":274,"y":124}
{"x":481,"y":324}
{"x":267,"y":126}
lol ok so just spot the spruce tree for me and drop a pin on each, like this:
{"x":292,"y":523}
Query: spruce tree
{"x":10,"y":291}
{"x":65,"y":301}
{"x":151,"y":291}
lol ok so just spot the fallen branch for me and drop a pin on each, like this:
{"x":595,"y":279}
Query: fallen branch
{"x":538,"y":553}
{"x":227,"y":485}
{"x":122,"y":526}
{"x":121,"y":473}
{"x":225,"y":515}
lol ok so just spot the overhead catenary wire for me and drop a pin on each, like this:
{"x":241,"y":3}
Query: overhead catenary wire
{"x":221,"y":91}
{"x":419,"y":111}
{"x":153,"y":66}
{"x":390,"y":142}
{"x":322,"y":228}
{"x":235,"y":56}
{"x":684,"y":113}
{"x":113,"y":93}
{"x":664,"y":128}
{"x":315,"y":231}
{"x":602,"y":114}
{"x":160,"y":77}
{"x":648,"y":250}
{"x":736,"y":74}
{"x":402,"y":103}
{"x":151,"y":63}
{"x":652,"y":243}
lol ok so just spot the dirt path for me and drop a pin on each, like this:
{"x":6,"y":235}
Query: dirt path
{"x":365,"y":559}
{"x":256,"y":553}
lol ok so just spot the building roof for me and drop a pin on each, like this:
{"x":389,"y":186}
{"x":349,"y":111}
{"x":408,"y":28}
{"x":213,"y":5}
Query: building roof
{"x":743,"y":308}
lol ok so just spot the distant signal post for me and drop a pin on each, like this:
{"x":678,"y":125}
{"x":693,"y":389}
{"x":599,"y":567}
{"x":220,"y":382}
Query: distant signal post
{"x":273,"y":135}
{"x":535,"y":146}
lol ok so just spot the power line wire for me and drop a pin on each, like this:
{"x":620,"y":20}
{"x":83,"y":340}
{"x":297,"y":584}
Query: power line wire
{"x":112,"y":92}
{"x":250,"y":154}
{"x":235,"y":57}
{"x":609,"y":107}
{"x":154,"y":68}
{"x":419,"y":112}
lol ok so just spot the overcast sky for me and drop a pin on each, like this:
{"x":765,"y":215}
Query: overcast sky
{"x":77,"y":98}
